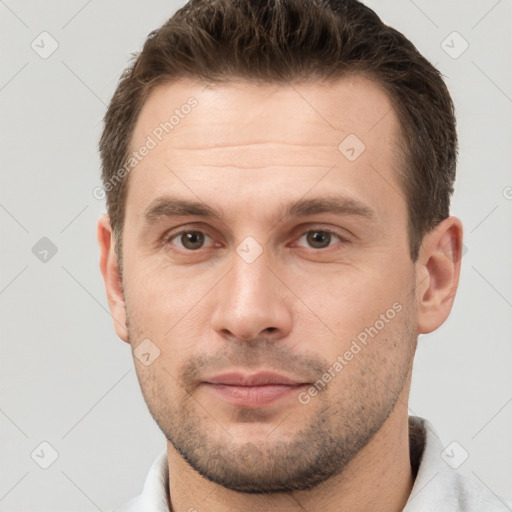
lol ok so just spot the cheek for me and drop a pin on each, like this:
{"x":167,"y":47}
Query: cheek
{"x":352,"y":308}
{"x":350,"y":297}
{"x":169,"y":307}
{"x":159,"y":293}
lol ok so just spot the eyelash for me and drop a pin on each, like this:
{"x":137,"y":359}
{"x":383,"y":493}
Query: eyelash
{"x":168,"y":239}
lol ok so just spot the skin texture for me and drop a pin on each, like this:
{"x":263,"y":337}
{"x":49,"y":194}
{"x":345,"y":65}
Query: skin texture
{"x":247,"y":150}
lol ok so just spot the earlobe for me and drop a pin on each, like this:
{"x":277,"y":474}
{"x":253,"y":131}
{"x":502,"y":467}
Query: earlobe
{"x":111,"y":277}
{"x":437,"y":274}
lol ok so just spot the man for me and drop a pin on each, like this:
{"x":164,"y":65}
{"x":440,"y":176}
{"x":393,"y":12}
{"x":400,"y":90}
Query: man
{"x":278,"y":179}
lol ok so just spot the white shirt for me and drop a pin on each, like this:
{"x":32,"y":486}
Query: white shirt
{"x":437,"y":487}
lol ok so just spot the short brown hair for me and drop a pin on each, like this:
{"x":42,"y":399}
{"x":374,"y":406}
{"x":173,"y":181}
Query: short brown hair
{"x":283,"y":41}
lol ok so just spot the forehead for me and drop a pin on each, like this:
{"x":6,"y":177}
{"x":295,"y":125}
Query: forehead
{"x":239,"y":108}
{"x":240,"y":139}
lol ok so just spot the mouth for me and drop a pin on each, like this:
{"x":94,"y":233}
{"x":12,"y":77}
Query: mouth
{"x":253,"y":390}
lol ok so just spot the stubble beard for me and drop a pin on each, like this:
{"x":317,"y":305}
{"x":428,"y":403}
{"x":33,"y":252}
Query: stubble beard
{"x":333,"y":434}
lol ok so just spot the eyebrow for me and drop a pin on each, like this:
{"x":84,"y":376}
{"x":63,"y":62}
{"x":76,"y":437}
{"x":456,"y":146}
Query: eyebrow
{"x":168,"y":206}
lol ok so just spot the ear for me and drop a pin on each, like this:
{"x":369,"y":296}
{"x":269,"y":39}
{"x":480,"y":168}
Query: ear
{"x":437,"y":274}
{"x":111,"y":276}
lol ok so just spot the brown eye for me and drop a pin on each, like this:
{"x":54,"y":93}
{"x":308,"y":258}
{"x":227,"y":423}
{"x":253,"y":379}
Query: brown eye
{"x":189,"y":240}
{"x":319,"y":239}
{"x":192,"y":240}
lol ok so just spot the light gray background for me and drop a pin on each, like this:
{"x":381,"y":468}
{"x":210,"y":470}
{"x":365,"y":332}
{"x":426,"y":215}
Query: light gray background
{"x":64,"y":376}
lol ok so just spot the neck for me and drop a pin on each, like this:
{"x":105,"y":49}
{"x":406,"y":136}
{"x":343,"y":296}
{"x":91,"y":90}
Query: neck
{"x":379,"y":478}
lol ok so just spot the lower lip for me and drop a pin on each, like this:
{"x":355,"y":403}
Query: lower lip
{"x":253,"y":396}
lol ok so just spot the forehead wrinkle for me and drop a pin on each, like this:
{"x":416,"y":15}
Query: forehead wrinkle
{"x":251,"y":155}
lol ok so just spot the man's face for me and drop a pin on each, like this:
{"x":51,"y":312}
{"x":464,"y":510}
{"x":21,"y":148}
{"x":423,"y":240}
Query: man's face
{"x":261,"y":288}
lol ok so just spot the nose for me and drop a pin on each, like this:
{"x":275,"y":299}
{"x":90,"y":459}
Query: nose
{"x":252,"y":302}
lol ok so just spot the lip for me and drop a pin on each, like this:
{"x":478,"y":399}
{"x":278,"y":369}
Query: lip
{"x":252,"y":391}
{"x":263,"y":378}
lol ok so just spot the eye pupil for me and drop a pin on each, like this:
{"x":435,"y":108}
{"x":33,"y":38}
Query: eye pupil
{"x":319,"y":237}
{"x":192,"y":239}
